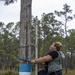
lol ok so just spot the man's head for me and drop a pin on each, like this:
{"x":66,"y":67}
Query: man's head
{"x":56,"y":46}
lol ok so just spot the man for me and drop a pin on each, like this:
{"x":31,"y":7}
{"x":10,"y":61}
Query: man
{"x":52,"y":60}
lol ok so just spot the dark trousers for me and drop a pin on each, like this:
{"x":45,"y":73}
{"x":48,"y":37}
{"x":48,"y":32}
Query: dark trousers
{"x":42,"y":72}
{"x":56,"y":73}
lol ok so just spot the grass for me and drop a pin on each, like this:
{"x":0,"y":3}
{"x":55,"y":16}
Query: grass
{"x":69,"y":72}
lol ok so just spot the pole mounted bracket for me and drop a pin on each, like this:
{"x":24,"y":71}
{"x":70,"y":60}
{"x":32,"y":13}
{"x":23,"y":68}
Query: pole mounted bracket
{"x":25,"y":60}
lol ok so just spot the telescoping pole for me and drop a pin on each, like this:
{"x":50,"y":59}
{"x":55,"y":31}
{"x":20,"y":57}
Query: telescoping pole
{"x":36,"y":46}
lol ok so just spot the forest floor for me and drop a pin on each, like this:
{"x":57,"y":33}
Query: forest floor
{"x":69,"y":72}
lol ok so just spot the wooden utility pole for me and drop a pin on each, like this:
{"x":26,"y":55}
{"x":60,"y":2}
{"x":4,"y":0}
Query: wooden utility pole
{"x":25,"y":29}
{"x":25,"y":37}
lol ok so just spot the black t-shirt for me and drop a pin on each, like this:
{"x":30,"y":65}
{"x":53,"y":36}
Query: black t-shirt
{"x":53,"y":54}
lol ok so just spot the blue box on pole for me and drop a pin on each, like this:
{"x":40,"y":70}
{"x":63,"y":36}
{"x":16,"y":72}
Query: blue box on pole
{"x":24,"y":69}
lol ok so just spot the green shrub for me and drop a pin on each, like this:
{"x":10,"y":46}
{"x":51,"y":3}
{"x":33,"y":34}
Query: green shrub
{"x":9,"y":72}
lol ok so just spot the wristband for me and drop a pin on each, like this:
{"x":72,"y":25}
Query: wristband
{"x":35,"y":60}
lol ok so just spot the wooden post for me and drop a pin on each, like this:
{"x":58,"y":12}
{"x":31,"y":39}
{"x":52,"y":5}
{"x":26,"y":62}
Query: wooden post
{"x":25,"y":29}
{"x":25,"y":37}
